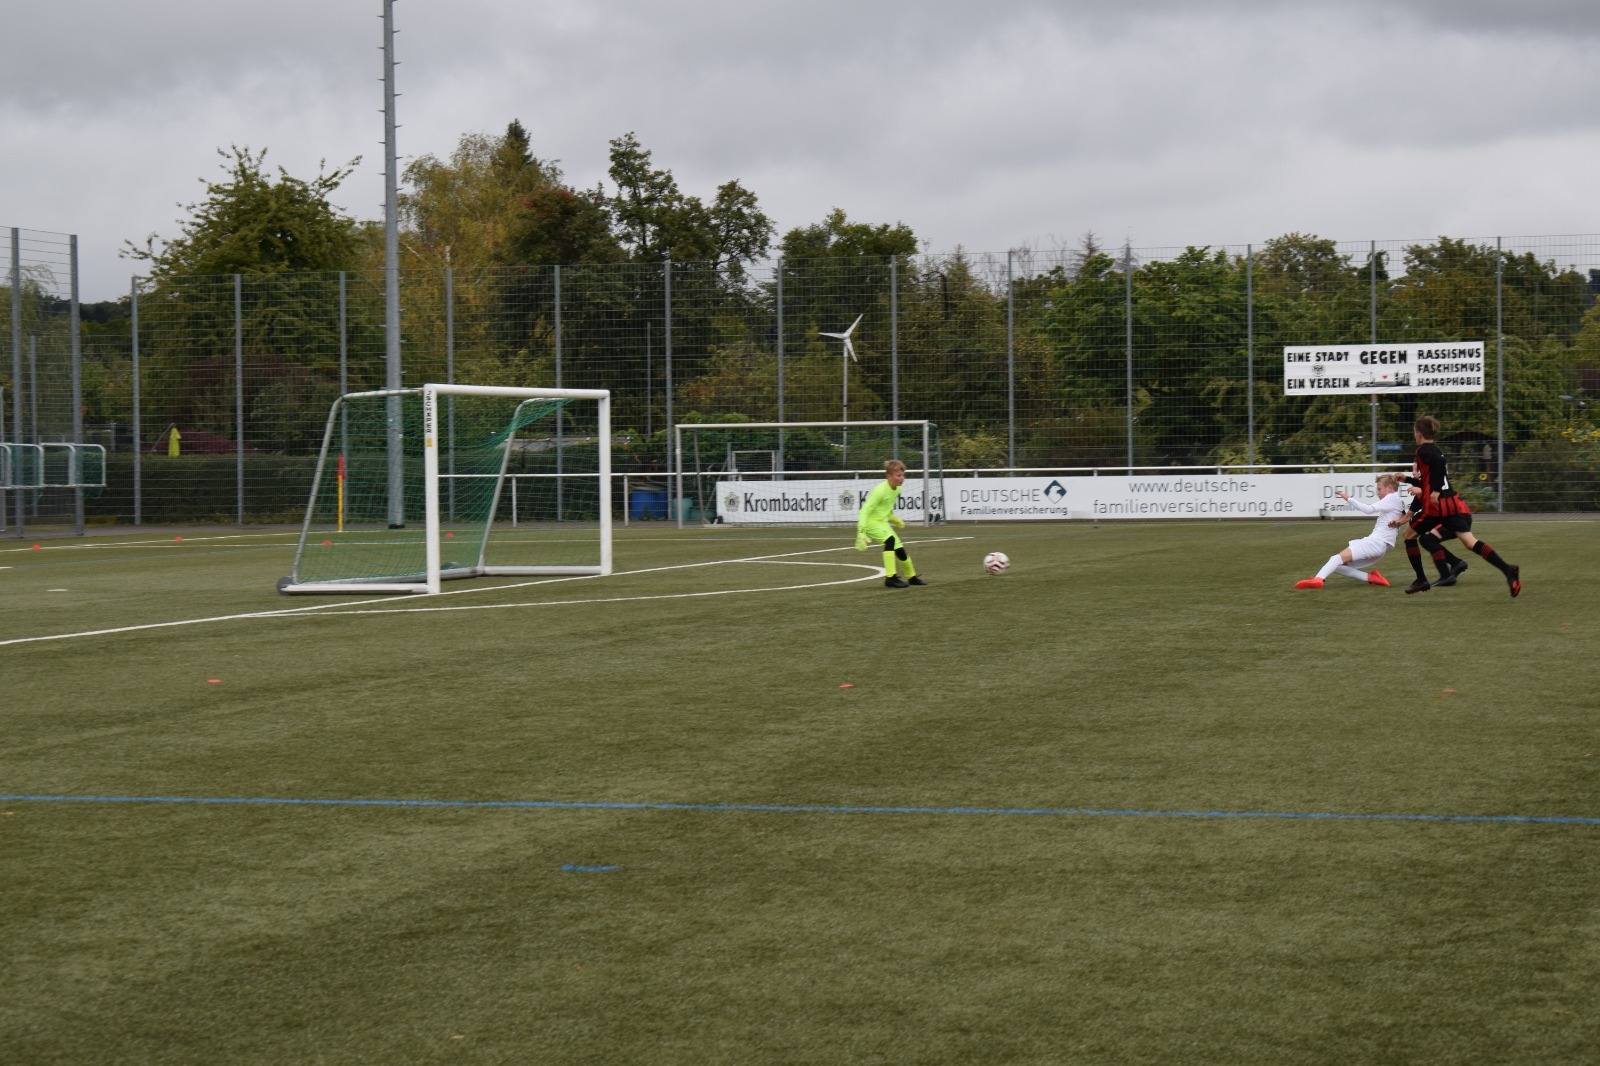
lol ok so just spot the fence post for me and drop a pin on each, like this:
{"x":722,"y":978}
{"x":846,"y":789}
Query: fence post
{"x":1372,"y":271}
{"x":560,"y":455}
{"x":1499,"y":377}
{"x":138,"y":430}
{"x":779,"y":284}
{"x":450,"y":379}
{"x":666,"y":273}
{"x":238,"y":390}
{"x":16,"y":360}
{"x":1372,"y":284}
{"x":1127,"y":315}
{"x":1011,"y":363}
{"x":894,"y":341}
{"x":76,"y":465}
{"x":1250,"y":356}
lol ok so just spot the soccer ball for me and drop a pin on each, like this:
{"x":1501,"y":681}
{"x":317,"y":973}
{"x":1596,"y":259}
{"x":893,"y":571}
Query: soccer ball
{"x":995,"y":563}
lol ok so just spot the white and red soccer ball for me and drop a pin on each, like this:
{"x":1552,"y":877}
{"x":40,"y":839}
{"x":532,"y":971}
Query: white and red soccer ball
{"x":995,"y":563}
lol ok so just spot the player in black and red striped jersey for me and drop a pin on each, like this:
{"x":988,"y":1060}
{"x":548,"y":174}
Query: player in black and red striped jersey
{"x":1439,"y":514}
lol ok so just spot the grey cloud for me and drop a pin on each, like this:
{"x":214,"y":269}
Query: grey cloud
{"x":985,"y":126}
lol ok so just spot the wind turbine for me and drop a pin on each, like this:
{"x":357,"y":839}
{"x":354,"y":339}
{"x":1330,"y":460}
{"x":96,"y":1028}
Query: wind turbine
{"x":847,"y":357}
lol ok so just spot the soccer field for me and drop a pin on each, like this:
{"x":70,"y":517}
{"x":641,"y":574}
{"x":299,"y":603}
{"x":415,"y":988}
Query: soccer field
{"x":1136,"y":800}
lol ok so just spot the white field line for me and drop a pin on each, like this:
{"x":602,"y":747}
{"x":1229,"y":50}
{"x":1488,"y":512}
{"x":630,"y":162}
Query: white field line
{"x":875,"y":572}
{"x":164,"y":542}
{"x":343,"y":607}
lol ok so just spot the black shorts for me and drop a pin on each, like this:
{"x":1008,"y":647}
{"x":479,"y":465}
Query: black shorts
{"x":1446,"y":526}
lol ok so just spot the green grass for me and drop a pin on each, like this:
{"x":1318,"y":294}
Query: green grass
{"x":1125,"y":668}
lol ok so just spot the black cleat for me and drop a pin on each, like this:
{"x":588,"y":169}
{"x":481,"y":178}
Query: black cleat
{"x":896,"y":582}
{"x":916,"y":581}
{"x":1514,"y":579}
{"x":1419,"y":585}
{"x":1457,"y":568}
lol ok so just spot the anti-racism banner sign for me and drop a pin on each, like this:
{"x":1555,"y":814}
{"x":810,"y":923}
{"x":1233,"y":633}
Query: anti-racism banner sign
{"x":1184,"y":495}
{"x":1358,"y":369}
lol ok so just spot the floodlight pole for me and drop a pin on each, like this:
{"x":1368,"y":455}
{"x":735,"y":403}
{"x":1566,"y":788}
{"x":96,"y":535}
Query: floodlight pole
{"x":391,"y":277}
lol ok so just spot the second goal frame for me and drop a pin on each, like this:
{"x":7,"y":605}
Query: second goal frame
{"x":921,"y":441}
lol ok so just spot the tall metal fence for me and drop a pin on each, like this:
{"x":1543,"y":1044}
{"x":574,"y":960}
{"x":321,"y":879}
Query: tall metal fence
{"x":40,"y":383}
{"x":211,"y":392}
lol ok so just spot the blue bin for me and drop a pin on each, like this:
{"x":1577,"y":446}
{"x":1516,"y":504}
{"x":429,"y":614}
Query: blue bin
{"x":647,"y":503}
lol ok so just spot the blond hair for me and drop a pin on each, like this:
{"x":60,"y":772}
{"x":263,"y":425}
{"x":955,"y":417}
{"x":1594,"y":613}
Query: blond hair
{"x":891,"y":465}
{"x":1388,"y":481}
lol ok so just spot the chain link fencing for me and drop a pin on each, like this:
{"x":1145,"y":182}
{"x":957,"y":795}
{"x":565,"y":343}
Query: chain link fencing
{"x":41,"y":467}
{"x":211,"y":393}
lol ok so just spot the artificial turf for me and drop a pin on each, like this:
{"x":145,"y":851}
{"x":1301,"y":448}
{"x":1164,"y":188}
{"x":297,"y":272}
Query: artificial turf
{"x":1091,"y":810}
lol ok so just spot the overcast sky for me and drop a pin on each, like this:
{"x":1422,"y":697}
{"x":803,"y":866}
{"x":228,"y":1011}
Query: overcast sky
{"x":989,"y":126}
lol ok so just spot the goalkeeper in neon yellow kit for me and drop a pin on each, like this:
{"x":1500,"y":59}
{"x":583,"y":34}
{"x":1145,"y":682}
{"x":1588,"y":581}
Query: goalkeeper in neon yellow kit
{"x":879,"y":523}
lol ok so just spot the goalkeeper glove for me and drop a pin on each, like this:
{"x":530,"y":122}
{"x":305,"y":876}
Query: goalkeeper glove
{"x":861,"y":541}
{"x":896,"y":521}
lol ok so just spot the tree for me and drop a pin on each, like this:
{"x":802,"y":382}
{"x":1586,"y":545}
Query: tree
{"x":494,"y":203}
{"x":554,"y":224}
{"x":1448,"y":293}
{"x":654,"y":220}
{"x":836,"y":237}
{"x":250,"y":224}
{"x":281,"y":234}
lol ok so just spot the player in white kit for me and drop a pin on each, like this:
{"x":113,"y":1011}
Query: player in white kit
{"x":1354,"y":560}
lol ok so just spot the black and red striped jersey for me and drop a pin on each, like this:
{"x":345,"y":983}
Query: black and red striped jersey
{"x":1433,"y":477}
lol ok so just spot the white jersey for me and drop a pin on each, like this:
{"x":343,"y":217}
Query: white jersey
{"x":1387,"y":509}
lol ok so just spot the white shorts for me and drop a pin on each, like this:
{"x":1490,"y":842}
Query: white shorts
{"x":1367,"y":551}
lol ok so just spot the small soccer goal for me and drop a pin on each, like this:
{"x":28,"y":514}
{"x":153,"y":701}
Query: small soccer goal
{"x":52,"y":465}
{"x":802,"y":473}
{"x":414,"y":487}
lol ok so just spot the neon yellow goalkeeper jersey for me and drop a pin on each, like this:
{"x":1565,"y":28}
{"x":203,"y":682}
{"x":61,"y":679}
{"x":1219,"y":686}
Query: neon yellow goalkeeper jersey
{"x":878,"y":507}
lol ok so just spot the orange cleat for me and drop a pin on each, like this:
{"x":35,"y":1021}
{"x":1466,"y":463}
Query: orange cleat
{"x":1375,"y":578}
{"x":1309,"y":583}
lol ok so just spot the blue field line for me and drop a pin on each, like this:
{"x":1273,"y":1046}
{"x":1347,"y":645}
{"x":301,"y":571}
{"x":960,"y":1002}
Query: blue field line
{"x":782,"y":808}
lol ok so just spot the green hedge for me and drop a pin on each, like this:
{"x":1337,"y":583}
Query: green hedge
{"x":1554,"y":476}
{"x":205,"y":488}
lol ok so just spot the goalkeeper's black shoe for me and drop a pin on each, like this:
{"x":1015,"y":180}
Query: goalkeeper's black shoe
{"x":1514,"y":579}
{"x":1457,"y":568}
{"x":1419,"y":585}
{"x":895,"y":582}
{"x":916,"y":581}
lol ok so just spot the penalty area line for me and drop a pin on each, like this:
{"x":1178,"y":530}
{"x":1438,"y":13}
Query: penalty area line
{"x":788,"y":808}
{"x":344,"y":607}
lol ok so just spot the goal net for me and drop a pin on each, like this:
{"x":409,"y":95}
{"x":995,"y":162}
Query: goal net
{"x":417,"y":486}
{"x":802,"y":473}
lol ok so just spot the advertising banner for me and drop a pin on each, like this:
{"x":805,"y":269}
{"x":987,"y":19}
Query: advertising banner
{"x":1183,"y":495}
{"x":1359,"y":369}
{"x":789,"y":502}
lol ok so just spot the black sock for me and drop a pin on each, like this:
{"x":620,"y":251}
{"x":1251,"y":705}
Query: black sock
{"x":1492,"y":556}
{"x":1414,"y":556}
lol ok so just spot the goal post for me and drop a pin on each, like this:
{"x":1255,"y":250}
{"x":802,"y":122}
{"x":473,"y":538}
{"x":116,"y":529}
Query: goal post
{"x":801,"y":473}
{"x":493,"y":481}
